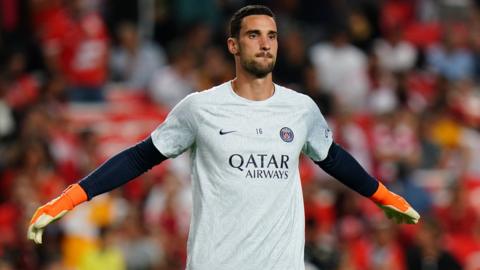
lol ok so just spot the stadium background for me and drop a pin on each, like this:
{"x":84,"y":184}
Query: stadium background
{"x":397,"y":80}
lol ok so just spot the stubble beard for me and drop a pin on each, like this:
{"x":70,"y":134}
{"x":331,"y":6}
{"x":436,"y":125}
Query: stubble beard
{"x":257,"y":69}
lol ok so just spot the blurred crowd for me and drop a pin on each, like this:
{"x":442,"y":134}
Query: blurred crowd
{"x":398,"y":81}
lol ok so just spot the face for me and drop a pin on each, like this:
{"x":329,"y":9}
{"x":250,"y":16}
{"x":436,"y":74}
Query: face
{"x":128,"y":36}
{"x":255,"y":49}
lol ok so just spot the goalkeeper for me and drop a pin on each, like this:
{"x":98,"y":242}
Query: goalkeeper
{"x":245,"y":137}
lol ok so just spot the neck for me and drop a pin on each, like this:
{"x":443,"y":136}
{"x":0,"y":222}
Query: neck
{"x":252,"y":88}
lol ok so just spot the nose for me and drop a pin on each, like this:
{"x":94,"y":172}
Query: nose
{"x":265,"y":44}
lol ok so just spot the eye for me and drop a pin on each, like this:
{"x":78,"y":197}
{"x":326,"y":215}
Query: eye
{"x":272,"y":36}
{"x":252,"y":35}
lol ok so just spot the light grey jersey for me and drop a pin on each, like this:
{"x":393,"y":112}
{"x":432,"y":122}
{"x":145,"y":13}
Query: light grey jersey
{"x":247,"y":198}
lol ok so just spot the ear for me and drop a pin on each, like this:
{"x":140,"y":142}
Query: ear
{"x":232,"y":44}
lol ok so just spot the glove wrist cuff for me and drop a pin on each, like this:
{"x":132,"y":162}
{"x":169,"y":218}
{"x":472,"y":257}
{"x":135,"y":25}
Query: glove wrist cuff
{"x":76,"y":194}
{"x":384,"y":196}
{"x":381,"y":194}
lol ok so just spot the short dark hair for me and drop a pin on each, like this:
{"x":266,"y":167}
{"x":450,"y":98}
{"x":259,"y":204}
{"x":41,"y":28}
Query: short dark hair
{"x":236,"y":20}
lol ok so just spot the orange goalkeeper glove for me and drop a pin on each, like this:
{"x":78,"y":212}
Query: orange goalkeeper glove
{"x":394,"y":206}
{"x":55,"y":209}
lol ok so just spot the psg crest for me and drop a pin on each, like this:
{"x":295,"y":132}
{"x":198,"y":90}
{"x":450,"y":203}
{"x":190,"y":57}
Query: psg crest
{"x":286,"y":134}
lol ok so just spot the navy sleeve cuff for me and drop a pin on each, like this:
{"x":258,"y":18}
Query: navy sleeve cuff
{"x":342,"y":166}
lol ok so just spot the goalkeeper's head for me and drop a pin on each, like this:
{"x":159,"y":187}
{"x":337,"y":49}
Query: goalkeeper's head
{"x":253,"y":40}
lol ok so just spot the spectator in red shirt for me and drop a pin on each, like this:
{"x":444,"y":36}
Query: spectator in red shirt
{"x":75,"y":43}
{"x":21,"y":88}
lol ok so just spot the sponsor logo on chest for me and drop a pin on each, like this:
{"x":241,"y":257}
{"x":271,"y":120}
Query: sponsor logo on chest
{"x":261,"y":166}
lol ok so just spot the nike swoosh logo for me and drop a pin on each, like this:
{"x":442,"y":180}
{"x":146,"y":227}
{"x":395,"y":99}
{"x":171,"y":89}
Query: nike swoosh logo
{"x":221,"y":132}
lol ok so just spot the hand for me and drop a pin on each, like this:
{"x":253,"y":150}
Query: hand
{"x":394,"y":206}
{"x":53,"y":210}
{"x":409,"y":216}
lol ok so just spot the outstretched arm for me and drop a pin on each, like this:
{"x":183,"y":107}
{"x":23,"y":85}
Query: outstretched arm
{"x":122,"y":168}
{"x":115,"y":172}
{"x":342,"y":166}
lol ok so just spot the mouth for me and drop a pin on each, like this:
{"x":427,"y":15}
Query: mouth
{"x":264,"y":55}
